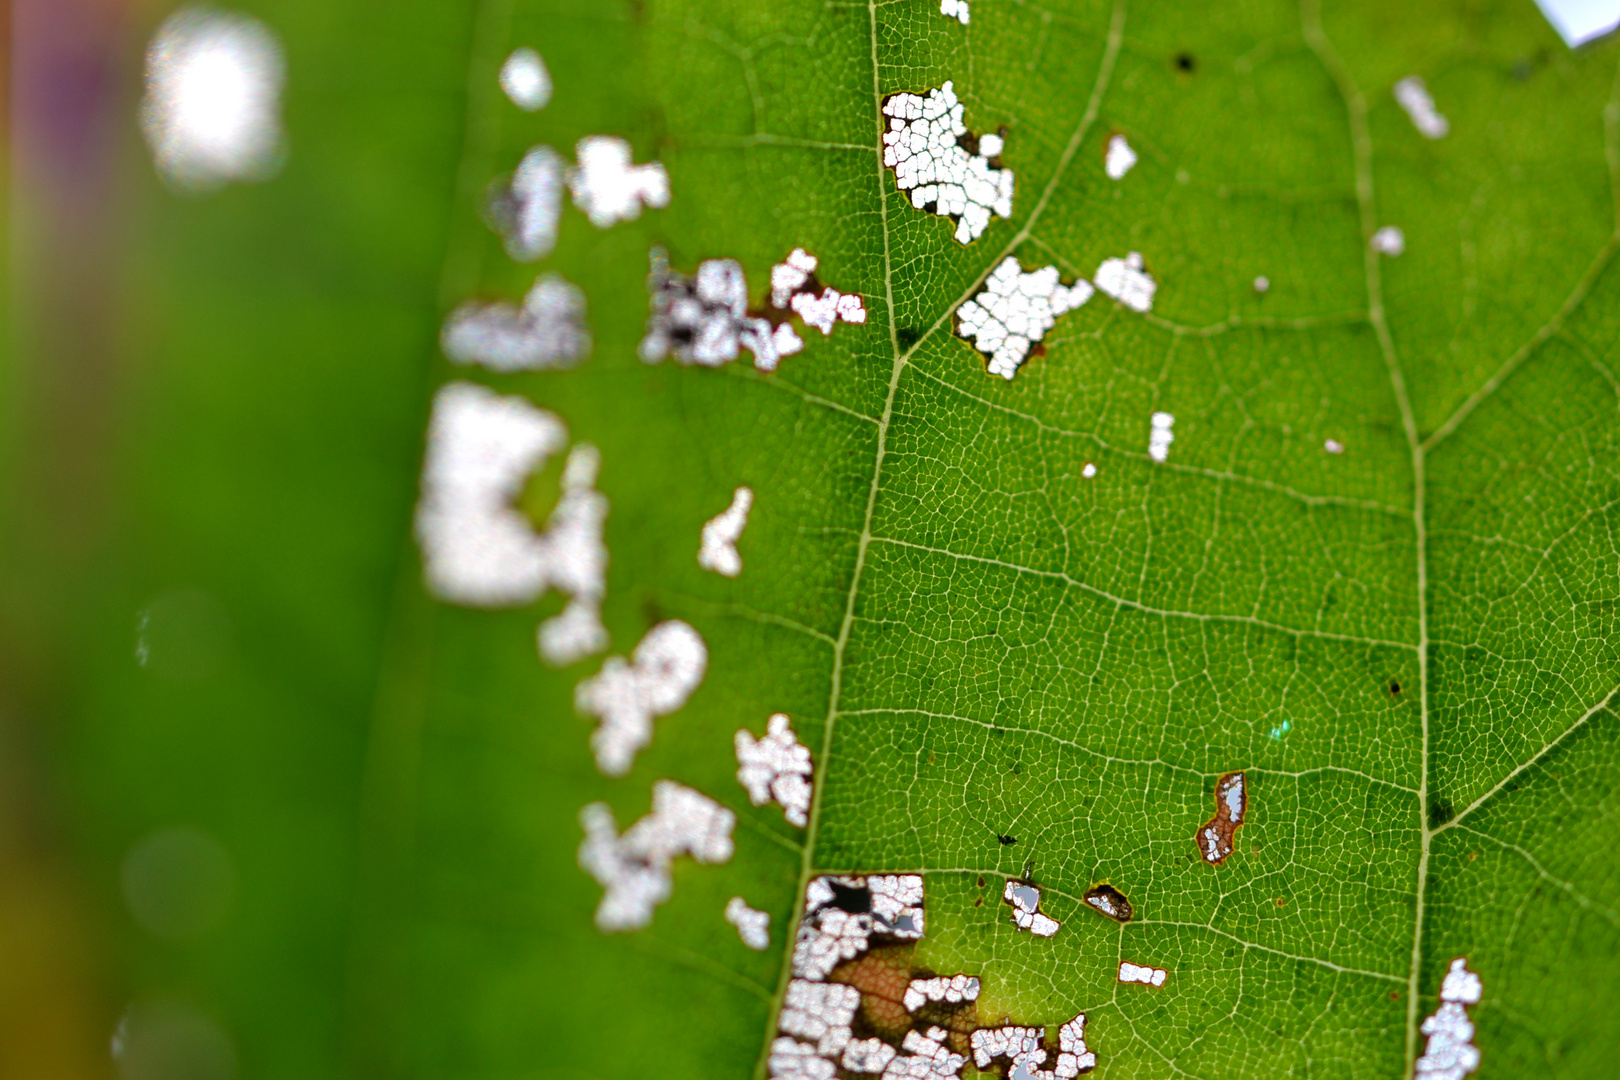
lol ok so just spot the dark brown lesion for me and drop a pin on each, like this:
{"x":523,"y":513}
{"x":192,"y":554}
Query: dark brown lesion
{"x":1214,"y":837}
{"x":882,"y":976}
{"x":1109,"y":901}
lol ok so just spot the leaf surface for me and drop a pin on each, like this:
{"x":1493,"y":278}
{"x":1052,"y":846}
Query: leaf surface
{"x":1408,"y":647}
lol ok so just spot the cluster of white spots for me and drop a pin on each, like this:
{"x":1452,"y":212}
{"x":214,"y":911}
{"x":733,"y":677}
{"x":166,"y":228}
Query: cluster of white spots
{"x":1389,"y":240}
{"x":1026,"y":901}
{"x":923,"y":147}
{"x":1579,"y":21}
{"x":213,"y":98}
{"x":666,"y":667}
{"x":1126,"y":281}
{"x":1073,"y":1057}
{"x":478,"y":549}
{"x":868,"y":1055}
{"x":1120,"y":159}
{"x":793,"y":1060}
{"x":788,"y":281}
{"x":525,"y":80}
{"x":577,"y":559}
{"x":1262,"y":284}
{"x":753,"y":926}
{"x":608,"y":188}
{"x":1160,"y":436}
{"x":1014,"y":310}
{"x":1450,"y":1053}
{"x":1413,"y":96}
{"x":634,"y":868}
{"x":955,"y":9}
{"x":548,"y":331}
{"x":952,"y":990}
{"x":1333,"y":446}
{"x":926,"y":1057}
{"x":776,"y":767}
{"x":1021,"y":1046}
{"x":704,"y":319}
{"x":720,"y":535}
{"x":842,"y":913}
{"x":1137,"y":973}
{"x":820,"y":1013}
{"x":525,"y":207}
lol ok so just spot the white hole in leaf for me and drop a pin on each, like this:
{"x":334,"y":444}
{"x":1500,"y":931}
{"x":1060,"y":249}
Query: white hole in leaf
{"x":703,"y":319}
{"x":951,"y":989}
{"x":478,"y":549}
{"x":1013,"y":312}
{"x":842,"y":913}
{"x":608,"y":188}
{"x":1025,"y":900}
{"x":548,"y":331}
{"x":525,"y":80}
{"x":794,"y":1060}
{"x":720,"y":535}
{"x":1450,"y":1053}
{"x":753,"y":926}
{"x":213,"y":98}
{"x":1413,"y":96}
{"x":634,"y":868}
{"x":1121,"y":158}
{"x":820,"y":1013}
{"x":1126,"y":281}
{"x":923,"y":147}
{"x":667,"y":666}
{"x":524,"y":207}
{"x":793,"y":287}
{"x":1088,"y":470}
{"x":1333,"y":446}
{"x":1580,"y":21}
{"x":1139,"y":973}
{"x":1389,"y":240}
{"x":776,"y":767}
{"x":1262,"y":284}
{"x":868,"y":1055}
{"x":955,"y":9}
{"x":1160,"y":436}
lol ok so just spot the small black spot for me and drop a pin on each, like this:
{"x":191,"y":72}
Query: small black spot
{"x":1394,"y":688}
{"x":1440,"y":812}
{"x":1185,"y":61}
{"x":907,"y":336}
{"x":981,"y":882}
{"x":1006,"y":841}
{"x":1038,"y":350}
{"x":969,"y":142}
{"x":979,"y":902}
{"x":855,"y":901}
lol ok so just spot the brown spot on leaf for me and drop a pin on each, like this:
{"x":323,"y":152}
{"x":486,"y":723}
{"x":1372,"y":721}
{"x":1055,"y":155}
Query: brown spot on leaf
{"x":1109,"y":901}
{"x":1214,"y":837}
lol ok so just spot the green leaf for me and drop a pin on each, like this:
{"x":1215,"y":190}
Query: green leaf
{"x":1004,"y":667}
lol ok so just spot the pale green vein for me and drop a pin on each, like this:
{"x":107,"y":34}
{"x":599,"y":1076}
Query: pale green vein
{"x":1136,"y":605}
{"x":1218,"y":475}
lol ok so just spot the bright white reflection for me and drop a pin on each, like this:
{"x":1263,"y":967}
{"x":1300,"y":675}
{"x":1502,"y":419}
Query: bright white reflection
{"x":526,"y":81}
{"x":213,"y":98}
{"x":1579,"y":21}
